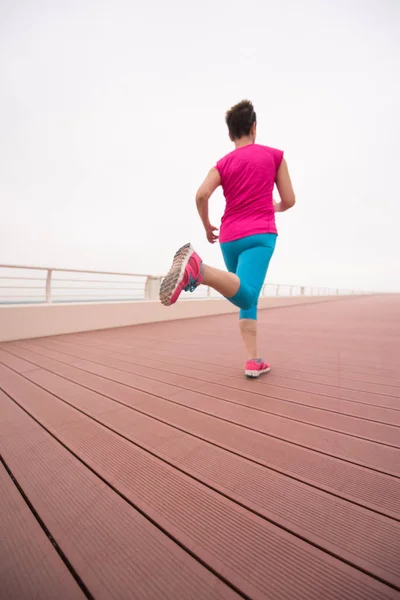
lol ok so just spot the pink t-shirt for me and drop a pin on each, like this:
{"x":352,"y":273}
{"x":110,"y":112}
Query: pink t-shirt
{"x":248,"y":176}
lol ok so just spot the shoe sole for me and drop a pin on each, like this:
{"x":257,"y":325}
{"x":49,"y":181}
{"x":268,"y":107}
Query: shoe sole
{"x":255,"y":374}
{"x":175,"y":275}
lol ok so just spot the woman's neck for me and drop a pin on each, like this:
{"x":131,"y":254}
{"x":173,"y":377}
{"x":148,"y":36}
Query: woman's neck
{"x":246,"y":140}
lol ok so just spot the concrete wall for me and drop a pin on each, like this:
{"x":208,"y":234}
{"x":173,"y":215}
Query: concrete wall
{"x":31,"y":321}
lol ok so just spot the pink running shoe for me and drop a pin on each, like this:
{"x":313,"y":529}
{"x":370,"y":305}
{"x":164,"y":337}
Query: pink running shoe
{"x":255,"y":368}
{"x":185,"y":275}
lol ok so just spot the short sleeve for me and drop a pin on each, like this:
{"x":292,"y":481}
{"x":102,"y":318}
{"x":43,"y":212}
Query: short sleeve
{"x":278,"y":157}
{"x":220,"y":166}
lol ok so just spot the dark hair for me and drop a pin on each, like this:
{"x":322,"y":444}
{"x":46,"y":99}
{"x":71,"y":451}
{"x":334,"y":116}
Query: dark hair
{"x":240,"y":119}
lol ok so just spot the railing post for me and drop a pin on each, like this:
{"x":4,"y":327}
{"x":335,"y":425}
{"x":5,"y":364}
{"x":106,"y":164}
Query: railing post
{"x":302,"y":290}
{"x":208,"y":292}
{"x":277,"y":290}
{"x":48,"y":286}
{"x":152,"y":288}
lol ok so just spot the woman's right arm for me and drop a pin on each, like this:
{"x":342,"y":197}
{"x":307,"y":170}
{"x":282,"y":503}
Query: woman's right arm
{"x":207,"y":188}
{"x":285,"y":188}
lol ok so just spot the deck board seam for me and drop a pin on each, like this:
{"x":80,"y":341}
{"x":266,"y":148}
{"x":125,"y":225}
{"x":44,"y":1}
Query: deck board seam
{"x":224,"y":400}
{"x":43,"y":526}
{"x":137,"y":346}
{"x":128,"y":501}
{"x":227,"y":449}
{"x":248,"y":428}
{"x":227,"y":385}
{"x":181,"y":470}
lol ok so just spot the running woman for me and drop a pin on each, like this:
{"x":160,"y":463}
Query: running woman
{"x":248,"y":231}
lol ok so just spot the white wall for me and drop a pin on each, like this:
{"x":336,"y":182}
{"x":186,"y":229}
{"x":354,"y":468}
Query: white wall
{"x":30,"y":321}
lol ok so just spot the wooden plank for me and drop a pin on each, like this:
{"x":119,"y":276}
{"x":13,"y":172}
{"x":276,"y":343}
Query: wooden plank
{"x":370,"y":489}
{"x":30,"y":566}
{"x":115,"y":550}
{"x":363,"y":538}
{"x":258,"y":558}
{"x":336,"y":373}
{"x":382,"y":458}
{"x":280,"y":397}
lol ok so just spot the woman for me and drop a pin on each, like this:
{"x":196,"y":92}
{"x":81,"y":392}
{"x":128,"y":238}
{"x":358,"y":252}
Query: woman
{"x":248,"y":232}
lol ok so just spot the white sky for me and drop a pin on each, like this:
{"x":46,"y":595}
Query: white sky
{"x":112,"y":112}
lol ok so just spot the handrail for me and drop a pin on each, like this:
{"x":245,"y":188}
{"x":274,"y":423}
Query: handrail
{"x":63,"y":270}
{"x":51,"y":290}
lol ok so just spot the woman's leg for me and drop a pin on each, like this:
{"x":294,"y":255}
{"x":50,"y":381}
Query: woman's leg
{"x":188,"y":272}
{"x":250,"y":258}
{"x":252,"y":268}
{"x":248,"y":331}
{"x":242,"y":289}
{"x":223,"y":282}
{"x":248,"y":327}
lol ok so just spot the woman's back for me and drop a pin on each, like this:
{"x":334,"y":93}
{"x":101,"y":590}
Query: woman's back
{"x":248,"y":176}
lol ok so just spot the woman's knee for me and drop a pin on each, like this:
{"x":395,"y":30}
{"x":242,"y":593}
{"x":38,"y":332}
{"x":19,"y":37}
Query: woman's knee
{"x":248,"y":300}
{"x":246,"y":304}
{"x":252,"y":298}
{"x":245,"y":298}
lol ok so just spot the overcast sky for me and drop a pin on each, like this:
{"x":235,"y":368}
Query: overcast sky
{"x":111,"y":114}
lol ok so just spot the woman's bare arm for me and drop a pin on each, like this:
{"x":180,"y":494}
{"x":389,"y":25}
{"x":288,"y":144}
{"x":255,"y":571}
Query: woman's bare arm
{"x":285,"y":188}
{"x":207,"y":188}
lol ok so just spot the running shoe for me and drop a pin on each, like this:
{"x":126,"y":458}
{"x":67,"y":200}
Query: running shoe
{"x":256,"y":367}
{"x":185,"y":275}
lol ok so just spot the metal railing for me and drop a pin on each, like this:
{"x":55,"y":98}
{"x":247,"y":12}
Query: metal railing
{"x":21,"y":284}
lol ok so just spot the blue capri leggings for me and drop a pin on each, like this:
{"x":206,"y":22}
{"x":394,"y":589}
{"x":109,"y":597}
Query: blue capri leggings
{"x":249,"y":258}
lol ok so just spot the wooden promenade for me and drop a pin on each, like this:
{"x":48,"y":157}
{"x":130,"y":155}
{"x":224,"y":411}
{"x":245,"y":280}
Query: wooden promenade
{"x":138,"y":463}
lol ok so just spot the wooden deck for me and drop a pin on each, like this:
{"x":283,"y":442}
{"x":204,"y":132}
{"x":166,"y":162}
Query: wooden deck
{"x":139,"y":464}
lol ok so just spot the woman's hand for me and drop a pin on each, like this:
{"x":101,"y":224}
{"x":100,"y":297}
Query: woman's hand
{"x":211,"y":235}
